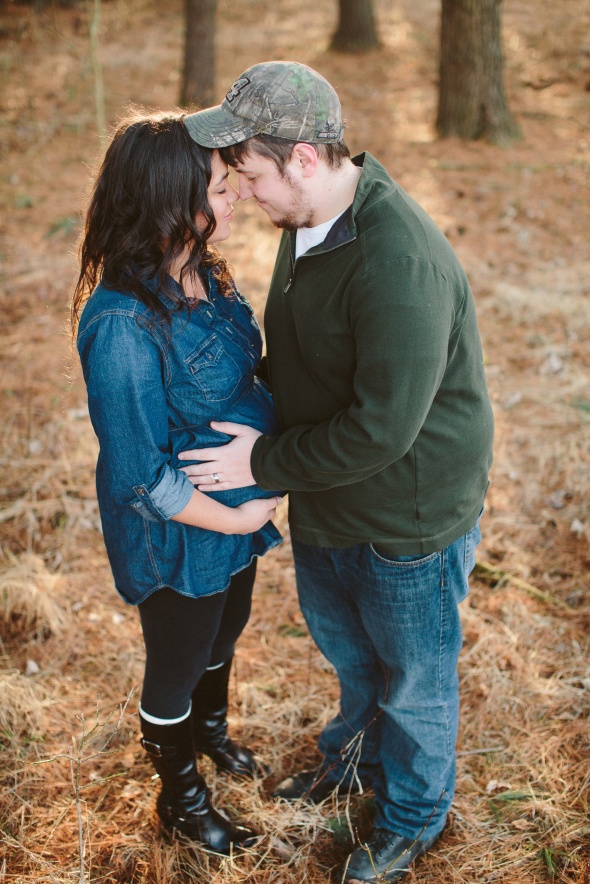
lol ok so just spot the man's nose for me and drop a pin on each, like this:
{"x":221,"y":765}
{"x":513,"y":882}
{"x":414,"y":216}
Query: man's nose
{"x":244,"y":189}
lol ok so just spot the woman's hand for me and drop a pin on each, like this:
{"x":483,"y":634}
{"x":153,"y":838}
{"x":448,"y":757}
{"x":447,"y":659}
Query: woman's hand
{"x":253,"y":514}
{"x":205,"y":512}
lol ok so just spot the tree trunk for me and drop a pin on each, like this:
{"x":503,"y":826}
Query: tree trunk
{"x":356,"y":31}
{"x":198,"y":77}
{"x":471,"y":94}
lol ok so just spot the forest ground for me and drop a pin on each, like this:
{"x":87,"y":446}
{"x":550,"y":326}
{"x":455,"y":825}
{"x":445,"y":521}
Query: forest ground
{"x":72,"y":772}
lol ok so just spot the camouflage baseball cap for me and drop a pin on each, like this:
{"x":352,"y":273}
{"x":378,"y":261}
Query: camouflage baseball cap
{"x":280,"y":98}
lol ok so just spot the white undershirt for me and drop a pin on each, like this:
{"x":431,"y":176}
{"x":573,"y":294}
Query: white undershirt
{"x":308,"y":237}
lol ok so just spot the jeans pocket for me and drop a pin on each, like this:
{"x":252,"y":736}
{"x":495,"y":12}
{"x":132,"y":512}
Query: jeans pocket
{"x":472,"y":541}
{"x":401,"y":561}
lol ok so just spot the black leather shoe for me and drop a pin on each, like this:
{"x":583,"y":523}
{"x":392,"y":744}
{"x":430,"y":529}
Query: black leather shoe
{"x":313,"y":785}
{"x":385,"y":857}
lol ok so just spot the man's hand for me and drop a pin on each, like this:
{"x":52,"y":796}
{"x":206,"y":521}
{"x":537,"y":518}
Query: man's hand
{"x":229,"y":463}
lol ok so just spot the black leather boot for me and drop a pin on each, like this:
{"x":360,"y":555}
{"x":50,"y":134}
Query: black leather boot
{"x":184,"y":804}
{"x":209,"y":720}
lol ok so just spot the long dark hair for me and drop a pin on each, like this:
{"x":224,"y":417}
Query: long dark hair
{"x":150,"y":188}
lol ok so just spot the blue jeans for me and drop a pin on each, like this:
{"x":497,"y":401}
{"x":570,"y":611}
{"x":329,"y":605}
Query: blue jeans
{"x":390,"y":626}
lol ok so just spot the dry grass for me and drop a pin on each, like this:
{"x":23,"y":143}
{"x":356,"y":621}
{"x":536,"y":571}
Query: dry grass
{"x":77,"y":799}
{"x":27,"y":591}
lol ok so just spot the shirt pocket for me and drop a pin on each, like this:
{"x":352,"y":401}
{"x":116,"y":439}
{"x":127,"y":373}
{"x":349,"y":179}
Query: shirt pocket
{"x":215,"y":371}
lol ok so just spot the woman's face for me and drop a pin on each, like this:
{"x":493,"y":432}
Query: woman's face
{"x":222,"y":197}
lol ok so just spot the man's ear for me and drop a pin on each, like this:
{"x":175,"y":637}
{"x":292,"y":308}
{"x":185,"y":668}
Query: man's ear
{"x":305,"y":158}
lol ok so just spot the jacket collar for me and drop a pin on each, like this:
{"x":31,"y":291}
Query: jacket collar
{"x":374,"y":184}
{"x":344,"y":228}
{"x":155,"y":285}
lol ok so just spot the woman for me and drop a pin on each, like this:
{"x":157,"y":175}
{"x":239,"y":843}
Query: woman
{"x":167,"y":345}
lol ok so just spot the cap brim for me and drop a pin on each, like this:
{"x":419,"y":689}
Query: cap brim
{"x":216,"y":127}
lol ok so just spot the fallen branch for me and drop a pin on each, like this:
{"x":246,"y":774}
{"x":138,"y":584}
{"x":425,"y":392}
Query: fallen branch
{"x":484,"y":751}
{"x":501,"y":578}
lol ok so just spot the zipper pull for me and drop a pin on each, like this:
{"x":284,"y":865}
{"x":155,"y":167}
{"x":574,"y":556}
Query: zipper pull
{"x":288,"y":286}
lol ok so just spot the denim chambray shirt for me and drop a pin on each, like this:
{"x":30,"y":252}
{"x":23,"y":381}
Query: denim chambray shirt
{"x":152,"y":392}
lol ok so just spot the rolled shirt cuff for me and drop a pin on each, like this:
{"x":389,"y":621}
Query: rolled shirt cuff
{"x":168,"y":497}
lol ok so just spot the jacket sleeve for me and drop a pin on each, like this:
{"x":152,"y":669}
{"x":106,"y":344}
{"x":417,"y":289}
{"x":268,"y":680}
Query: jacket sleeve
{"x":400,"y":316}
{"x":125,"y":373}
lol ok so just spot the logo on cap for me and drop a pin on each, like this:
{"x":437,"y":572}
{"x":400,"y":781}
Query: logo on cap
{"x":238,"y":87}
{"x":329,"y":131}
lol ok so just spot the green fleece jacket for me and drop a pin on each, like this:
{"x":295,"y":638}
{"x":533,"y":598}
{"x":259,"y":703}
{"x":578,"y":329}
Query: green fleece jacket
{"x":376,"y":368}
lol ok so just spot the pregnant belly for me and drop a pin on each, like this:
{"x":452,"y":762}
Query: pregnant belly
{"x":255,"y":410}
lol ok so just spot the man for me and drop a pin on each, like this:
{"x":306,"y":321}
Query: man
{"x":376,"y":367}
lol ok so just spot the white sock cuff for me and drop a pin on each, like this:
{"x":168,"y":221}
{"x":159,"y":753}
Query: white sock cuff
{"x":153,"y":720}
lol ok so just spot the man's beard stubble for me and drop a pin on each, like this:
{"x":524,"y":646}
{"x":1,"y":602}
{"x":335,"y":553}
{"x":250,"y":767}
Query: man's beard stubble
{"x":300,"y":214}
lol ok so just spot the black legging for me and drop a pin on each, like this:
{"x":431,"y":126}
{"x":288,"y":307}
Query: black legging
{"x":184,"y":636}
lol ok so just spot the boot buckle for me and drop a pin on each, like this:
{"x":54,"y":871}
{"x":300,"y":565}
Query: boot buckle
{"x":153,"y":749}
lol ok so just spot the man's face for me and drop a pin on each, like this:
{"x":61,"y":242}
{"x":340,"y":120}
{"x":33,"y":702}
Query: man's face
{"x":282,"y":197}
